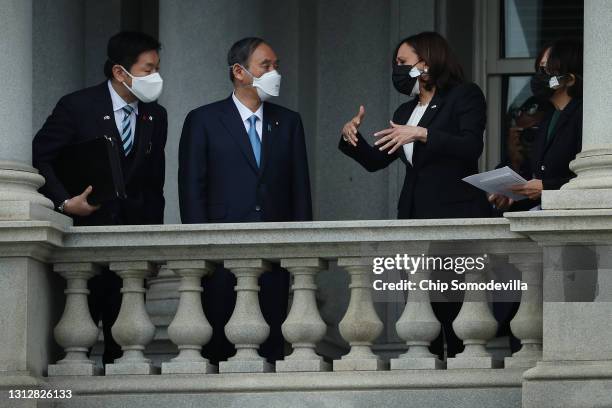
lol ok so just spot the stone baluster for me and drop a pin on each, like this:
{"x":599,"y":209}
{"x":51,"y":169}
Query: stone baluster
{"x":76,"y":331}
{"x":190,"y":329}
{"x":360,"y":326}
{"x":418,"y":326}
{"x":475,"y":325}
{"x":247,"y":328}
{"x":133,"y":329}
{"x":304,"y":327}
{"x":527,"y":323}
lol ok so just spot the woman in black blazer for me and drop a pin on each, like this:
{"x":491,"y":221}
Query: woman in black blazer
{"x":558,"y":79}
{"x":439,"y":148}
{"x":439,"y":137}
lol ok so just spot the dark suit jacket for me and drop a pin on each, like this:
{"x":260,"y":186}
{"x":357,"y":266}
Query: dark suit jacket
{"x":552,"y":158}
{"x":219,"y":180}
{"x":455,"y":122}
{"x":87,"y":114}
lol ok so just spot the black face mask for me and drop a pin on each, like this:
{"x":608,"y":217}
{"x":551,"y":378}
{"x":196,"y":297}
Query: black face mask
{"x":402,"y":81}
{"x":540,"y":86}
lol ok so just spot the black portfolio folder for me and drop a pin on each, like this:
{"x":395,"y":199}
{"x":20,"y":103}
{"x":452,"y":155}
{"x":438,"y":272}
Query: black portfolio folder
{"x":95,"y":163}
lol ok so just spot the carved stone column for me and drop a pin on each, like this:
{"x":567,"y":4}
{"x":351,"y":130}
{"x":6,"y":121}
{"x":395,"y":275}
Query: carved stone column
{"x":475,"y":325}
{"x":76,"y":331}
{"x":527,"y":323}
{"x":304,"y":327}
{"x":190,"y":329}
{"x":360,"y":326}
{"x":418,"y":326}
{"x":247,"y":328}
{"x":133,"y":329}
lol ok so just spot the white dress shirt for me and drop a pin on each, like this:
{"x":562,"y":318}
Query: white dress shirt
{"x":118,"y":104}
{"x":414,"y":120}
{"x":246,"y":113}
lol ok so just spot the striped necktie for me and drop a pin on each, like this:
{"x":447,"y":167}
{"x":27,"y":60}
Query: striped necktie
{"x":126,"y":129}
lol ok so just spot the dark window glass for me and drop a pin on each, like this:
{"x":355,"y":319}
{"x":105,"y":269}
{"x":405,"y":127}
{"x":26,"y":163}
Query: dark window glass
{"x":527,"y":25}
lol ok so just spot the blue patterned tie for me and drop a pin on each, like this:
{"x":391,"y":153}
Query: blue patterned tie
{"x":254,"y":138}
{"x":126,"y":129}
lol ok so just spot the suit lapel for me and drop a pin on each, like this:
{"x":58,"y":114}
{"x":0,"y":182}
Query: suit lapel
{"x":563,"y":118}
{"x":269,"y":130}
{"x":432,"y":110}
{"x":233,"y":123}
{"x":435,"y":105}
{"x":105,"y":115}
{"x":402,"y":119}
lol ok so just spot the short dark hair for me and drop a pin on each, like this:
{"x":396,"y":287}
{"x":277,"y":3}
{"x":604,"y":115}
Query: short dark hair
{"x":124,"y":49}
{"x":566,"y":57}
{"x":445,"y":71}
{"x":241,"y":51}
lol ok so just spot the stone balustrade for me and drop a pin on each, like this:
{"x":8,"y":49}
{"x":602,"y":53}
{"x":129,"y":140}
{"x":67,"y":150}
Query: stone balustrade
{"x":304,"y":249}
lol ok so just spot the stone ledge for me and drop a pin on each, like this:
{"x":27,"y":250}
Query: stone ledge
{"x":27,"y":211}
{"x":577,"y":199}
{"x":323,"y":381}
{"x":570,"y":370}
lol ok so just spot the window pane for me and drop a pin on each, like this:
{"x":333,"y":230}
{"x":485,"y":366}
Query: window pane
{"x":529,"y":24}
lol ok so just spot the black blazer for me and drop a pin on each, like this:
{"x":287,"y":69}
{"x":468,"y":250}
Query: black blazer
{"x":219,"y":180}
{"x":87,"y":114}
{"x":552,"y":158}
{"x":455,"y":122}
{"x":550,"y":161}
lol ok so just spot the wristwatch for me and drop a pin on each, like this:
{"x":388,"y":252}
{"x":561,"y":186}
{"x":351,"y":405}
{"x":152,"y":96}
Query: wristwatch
{"x":61,"y":206}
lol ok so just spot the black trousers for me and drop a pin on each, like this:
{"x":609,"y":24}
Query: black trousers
{"x":219,"y":301}
{"x":446,"y":307}
{"x":446,"y":312}
{"x":104,"y":304}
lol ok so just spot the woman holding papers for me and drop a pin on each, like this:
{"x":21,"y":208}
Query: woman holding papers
{"x":558,"y":79}
{"x":438,"y":134}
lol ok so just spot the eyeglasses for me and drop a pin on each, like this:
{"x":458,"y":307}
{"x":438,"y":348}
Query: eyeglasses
{"x":530,"y":110}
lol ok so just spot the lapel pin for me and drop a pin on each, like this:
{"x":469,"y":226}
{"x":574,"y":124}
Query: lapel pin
{"x":434,"y":106}
{"x":151,"y":118}
{"x":106,"y":117}
{"x":276,"y":123}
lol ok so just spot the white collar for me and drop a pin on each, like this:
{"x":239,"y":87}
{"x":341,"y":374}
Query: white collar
{"x":246,"y":113}
{"x":118,"y":101}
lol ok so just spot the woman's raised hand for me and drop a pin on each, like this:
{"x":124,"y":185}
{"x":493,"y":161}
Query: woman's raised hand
{"x":350,"y":129}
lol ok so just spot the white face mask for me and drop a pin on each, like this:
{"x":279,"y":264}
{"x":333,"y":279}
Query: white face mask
{"x":415,"y":72}
{"x":147,"y":88}
{"x":267,"y":85}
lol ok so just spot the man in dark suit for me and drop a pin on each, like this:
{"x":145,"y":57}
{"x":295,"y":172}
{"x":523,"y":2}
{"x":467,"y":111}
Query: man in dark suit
{"x":122,"y":107}
{"x":243,"y":159}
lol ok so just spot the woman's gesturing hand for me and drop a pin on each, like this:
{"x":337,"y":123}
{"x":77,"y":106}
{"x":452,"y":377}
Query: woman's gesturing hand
{"x":399,"y":135}
{"x":349,"y":131}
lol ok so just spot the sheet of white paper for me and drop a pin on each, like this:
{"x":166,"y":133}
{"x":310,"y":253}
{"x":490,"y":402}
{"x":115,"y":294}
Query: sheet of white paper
{"x":497,"y":181}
